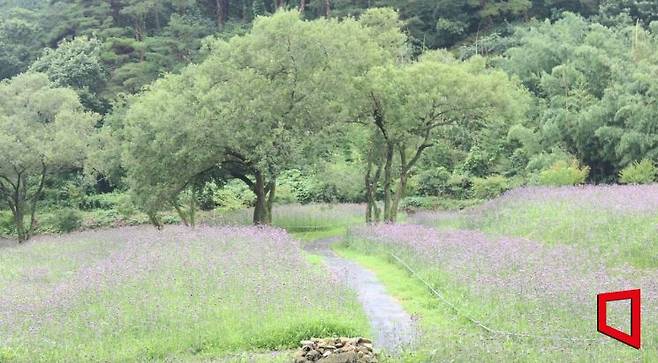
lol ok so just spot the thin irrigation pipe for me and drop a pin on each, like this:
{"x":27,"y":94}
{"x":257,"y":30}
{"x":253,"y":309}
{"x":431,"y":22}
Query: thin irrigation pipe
{"x":480,"y":324}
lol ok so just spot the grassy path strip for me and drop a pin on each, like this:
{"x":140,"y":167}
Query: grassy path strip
{"x":392,"y":327}
{"x":412,"y":294}
{"x":445,"y":336}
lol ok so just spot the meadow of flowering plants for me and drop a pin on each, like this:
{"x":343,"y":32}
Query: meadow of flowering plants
{"x":617,"y":222}
{"x":137,"y":294}
{"x":515,"y":285}
{"x":298,"y":217}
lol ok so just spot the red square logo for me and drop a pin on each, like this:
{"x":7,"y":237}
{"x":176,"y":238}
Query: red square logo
{"x":634,"y":339}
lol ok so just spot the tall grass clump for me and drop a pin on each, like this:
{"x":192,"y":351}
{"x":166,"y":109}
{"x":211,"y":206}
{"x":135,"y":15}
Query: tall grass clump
{"x":310,"y":217}
{"x":298,"y":217}
{"x":643,"y":172}
{"x":136,"y":294}
{"x":563,"y":173}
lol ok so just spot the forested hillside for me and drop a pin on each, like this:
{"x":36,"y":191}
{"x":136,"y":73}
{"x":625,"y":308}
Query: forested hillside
{"x":135,"y":41}
{"x":184,"y":104}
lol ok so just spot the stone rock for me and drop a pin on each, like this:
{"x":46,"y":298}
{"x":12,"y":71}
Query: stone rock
{"x":313,"y":355}
{"x":336,"y":350}
{"x":345,"y":357}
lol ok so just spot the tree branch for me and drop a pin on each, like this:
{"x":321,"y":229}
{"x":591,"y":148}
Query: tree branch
{"x":245,"y":179}
{"x":378,"y":115}
{"x":8,"y":181}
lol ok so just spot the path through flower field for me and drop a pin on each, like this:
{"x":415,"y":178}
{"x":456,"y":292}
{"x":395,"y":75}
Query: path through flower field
{"x":392,"y":327}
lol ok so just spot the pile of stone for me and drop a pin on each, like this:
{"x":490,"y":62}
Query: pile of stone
{"x":336,"y":350}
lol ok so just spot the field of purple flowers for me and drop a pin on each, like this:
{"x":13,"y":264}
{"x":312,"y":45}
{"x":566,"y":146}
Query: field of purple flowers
{"x":136,"y":294}
{"x":617,"y":222}
{"x":519,"y":286}
{"x":532,"y":262}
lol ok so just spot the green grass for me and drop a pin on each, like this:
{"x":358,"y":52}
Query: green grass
{"x":315,"y":260}
{"x":307,"y":221}
{"x":295,"y":218}
{"x":319,"y":234}
{"x":448,"y":337}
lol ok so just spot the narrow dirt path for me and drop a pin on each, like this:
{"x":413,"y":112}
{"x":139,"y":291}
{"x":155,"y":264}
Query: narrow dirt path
{"x":392,"y":326}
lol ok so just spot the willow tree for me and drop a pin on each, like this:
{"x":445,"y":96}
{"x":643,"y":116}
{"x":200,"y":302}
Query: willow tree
{"x":250,"y":110}
{"x":413,"y":104}
{"x":43,"y":130}
{"x":165,"y":145}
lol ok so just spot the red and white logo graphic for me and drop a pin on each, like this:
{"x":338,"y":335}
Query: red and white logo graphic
{"x":634,"y":339}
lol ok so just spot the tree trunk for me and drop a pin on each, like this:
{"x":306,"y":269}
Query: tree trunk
{"x":19,"y":209}
{"x":221,"y":12}
{"x":368,"y":182}
{"x":35,"y":200}
{"x":402,"y":185}
{"x":156,"y":15}
{"x":15,"y":195}
{"x":327,"y":8}
{"x":19,"y":222}
{"x":302,"y":6}
{"x":265,"y":193}
{"x":271,"y":194}
{"x":405,"y":168}
{"x":260,"y":209}
{"x":192,"y":214}
{"x":388,"y":176}
{"x":375,"y":207}
{"x":399,"y":194}
{"x":187,"y":216}
{"x":377,"y":211}
{"x":155,"y":221}
{"x":379,"y":119}
{"x":115,"y":6}
{"x":371,"y":181}
{"x":181,"y":213}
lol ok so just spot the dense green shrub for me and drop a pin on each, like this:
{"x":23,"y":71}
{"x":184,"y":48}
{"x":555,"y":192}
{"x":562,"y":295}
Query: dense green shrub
{"x":339,"y":181}
{"x":477,"y":162}
{"x":6,"y":223}
{"x":563,"y":173}
{"x":101,"y":218}
{"x":171,"y":219}
{"x":205,"y":196}
{"x":433,"y":181}
{"x":234,"y":195}
{"x":459,"y":186}
{"x":418,"y":202}
{"x":67,"y":220}
{"x":300,"y":186}
{"x":125,"y":206}
{"x":285,"y":194}
{"x":545,"y":160}
{"x":436,"y":203}
{"x":490,"y":187}
{"x":100,"y":201}
{"x":643,"y":172}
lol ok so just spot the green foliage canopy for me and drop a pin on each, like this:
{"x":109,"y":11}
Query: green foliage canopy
{"x":43,"y":130}
{"x":249,"y":110}
{"x":414,"y":106}
{"x":595,"y":89}
{"x":76,"y":64}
